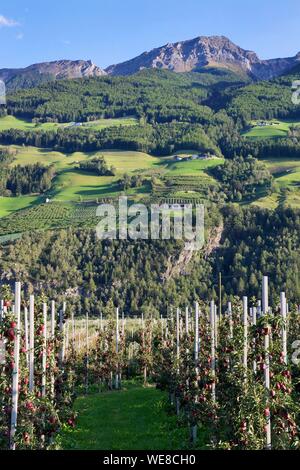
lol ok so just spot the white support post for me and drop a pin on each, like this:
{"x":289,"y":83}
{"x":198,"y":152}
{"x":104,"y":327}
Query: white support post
{"x":213,"y":347}
{"x":31,"y":343}
{"x":265,"y":296}
{"x":15,"y":377}
{"x":259,"y":309}
{"x":196,"y":358}
{"x":230,"y":320}
{"x":26,"y":332}
{"x":1,"y":309}
{"x":62,"y":331}
{"x":117,"y":347}
{"x":254,"y":321}
{"x":87,"y":352}
{"x":177,"y":352}
{"x":265,"y":307}
{"x":245,"y":340}
{"x":44,"y":352}
{"x":283,"y":310}
{"x":196,"y":345}
{"x":216,"y":323}
{"x":123,"y":324}
{"x":187,"y":321}
{"x":52,"y":319}
{"x":52,"y":334}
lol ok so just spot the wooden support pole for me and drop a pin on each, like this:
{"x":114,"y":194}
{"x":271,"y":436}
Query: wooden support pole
{"x":15,"y":374}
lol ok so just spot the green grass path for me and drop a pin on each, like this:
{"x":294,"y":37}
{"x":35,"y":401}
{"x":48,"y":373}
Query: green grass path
{"x":132,"y":419}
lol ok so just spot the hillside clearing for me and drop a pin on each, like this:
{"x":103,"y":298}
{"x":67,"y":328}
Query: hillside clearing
{"x":12,"y":122}
{"x":269,"y":129}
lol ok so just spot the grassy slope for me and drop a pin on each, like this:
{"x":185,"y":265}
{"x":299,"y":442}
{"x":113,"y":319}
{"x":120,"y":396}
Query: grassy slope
{"x":9,"y":205}
{"x":133,"y":419}
{"x":71,"y":184}
{"x":277,"y":129}
{"x":12,"y":122}
{"x":286,"y":173}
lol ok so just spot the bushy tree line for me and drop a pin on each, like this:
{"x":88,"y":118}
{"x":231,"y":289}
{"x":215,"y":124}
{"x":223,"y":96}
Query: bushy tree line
{"x":98,"y":166}
{"x":242,"y":178}
{"x":26,"y":179}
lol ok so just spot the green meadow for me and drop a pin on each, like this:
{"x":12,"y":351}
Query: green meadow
{"x":275,"y":128}
{"x":9,"y":205}
{"x":12,"y":122}
{"x":286,"y":173}
{"x":72,"y":184}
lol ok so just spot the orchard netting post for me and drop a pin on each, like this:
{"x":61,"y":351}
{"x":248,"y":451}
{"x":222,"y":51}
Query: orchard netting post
{"x":283,"y":310}
{"x":245,"y":338}
{"x":254,"y":321}
{"x":213,"y":348}
{"x":26,"y":332}
{"x":15,"y":377}
{"x":31,"y":343}
{"x":216,"y":325}
{"x":62,"y":332}
{"x":177,"y":354}
{"x":196,"y":359}
{"x":44,"y":351}
{"x":1,"y":309}
{"x":87,"y":353}
{"x":52,"y":334}
{"x":117,"y":350}
{"x":187,"y":320}
{"x":265,"y":308}
{"x":230,"y":320}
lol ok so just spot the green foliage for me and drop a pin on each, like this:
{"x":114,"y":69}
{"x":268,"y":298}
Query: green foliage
{"x":243,"y":178}
{"x":98,"y":166}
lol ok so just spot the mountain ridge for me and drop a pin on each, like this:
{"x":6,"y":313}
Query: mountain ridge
{"x":47,"y":71}
{"x":204,"y":51}
{"x":191,"y":55}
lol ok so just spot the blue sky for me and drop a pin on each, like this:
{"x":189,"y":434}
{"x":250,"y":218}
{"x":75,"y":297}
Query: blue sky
{"x":111,"y":31}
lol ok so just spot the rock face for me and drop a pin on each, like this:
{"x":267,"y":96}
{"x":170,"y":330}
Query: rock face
{"x":214,"y":51}
{"x":49,"y":71}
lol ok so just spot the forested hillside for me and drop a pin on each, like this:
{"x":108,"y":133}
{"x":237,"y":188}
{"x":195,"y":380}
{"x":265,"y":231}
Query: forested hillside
{"x":97,"y":275}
